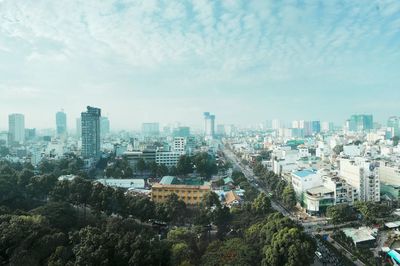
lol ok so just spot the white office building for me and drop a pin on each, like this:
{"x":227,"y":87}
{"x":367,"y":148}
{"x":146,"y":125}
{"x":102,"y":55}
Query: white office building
{"x":361,"y":174}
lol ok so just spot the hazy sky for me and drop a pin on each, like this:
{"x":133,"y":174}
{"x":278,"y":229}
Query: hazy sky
{"x":245,"y":61}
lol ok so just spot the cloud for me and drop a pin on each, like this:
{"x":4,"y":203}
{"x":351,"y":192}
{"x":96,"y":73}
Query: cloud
{"x":158,"y":48}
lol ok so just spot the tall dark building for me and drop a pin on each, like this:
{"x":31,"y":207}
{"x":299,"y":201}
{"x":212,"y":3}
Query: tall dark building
{"x":91,"y":132}
{"x":61,"y":123}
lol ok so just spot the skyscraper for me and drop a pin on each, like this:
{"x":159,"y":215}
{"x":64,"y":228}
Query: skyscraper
{"x":209,"y":125}
{"x":316,"y":126}
{"x":61,"y":123}
{"x":16,"y":128}
{"x":358,"y":123}
{"x":104,"y":126}
{"x":91,"y":132}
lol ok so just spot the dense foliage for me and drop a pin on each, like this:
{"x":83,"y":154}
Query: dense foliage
{"x":44,"y":221}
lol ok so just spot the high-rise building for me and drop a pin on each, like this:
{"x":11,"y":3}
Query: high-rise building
{"x":393,"y":124}
{"x":358,"y":123}
{"x":209,"y":125}
{"x":104,"y":126}
{"x":307,"y":127}
{"x":16,"y":128}
{"x":316,"y":126}
{"x":61,"y":123}
{"x":91,"y":132}
{"x":363,"y":176}
{"x":276,"y":124}
{"x":327,"y":126}
{"x":150,"y":129}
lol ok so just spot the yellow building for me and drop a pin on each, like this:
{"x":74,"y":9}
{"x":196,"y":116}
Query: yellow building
{"x":189,"y":193}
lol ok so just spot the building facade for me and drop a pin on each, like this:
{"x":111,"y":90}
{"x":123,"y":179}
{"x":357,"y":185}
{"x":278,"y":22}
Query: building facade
{"x":362,"y":175}
{"x":16,"y":128}
{"x":61,"y":123}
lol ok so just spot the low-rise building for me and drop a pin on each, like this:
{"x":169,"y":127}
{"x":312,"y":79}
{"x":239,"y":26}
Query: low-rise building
{"x":190,"y":191}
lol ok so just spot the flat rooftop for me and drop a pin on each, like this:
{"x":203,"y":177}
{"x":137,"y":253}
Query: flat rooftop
{"x":361,"y":234}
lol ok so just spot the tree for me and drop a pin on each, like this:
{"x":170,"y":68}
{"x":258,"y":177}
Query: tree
{"x":340,"y":213}
{"x":185,"y":165}
{"x":141,"y":165}
{"x":162,"y":170}
{"x":289,"y":197}
{"x":221,"y":217}
{"x":261,"y":205}
{"x":60,"y":215}
{"x":230,"y":252}
{"x":338,"y":149}
{"x":184,"y":246}
{"x":210,"y":200}
{"x":172,"y":210}
{"x":205,"y":164}
{"x":290,"y":247}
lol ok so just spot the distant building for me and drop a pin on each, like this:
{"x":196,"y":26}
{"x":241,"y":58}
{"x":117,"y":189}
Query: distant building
{"x":327,"y":126}
{"x":61,"y":123}
{"x":181,"y":132}
{"x":393,"y":125}
{"x":358,"y":123}
{"x":168,"y":158}
{"x":16,"y":128}
{"x":79,"y":127}
{"x":91,"y":133}
{"x":30,"y":133}
{"x":150,"y":129}
{"x":221,"y":130}
{"x":123,"y":183}
{"x":104,"y":126}
{"x":316,"y":127}
{"x":209,"y":125}
{"x":276,"y":124}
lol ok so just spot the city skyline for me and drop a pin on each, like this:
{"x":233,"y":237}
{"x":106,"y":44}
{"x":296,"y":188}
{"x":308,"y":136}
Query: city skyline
{"x":169,"y":61}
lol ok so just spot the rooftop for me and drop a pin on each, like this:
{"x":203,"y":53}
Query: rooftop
{"x":169,"y":180}
{"x":305,"y":173}
{"x":361,"y":234}
{"x":321,"y":190}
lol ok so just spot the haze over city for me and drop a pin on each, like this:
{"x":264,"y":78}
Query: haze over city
{"x":167,"y":61}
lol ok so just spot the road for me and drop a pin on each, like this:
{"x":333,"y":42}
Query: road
{"x":248,"y":173}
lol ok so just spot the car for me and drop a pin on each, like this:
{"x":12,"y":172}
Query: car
{"x":318,"y":254}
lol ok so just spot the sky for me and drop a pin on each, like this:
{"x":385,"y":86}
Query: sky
{"x":167,"y":61}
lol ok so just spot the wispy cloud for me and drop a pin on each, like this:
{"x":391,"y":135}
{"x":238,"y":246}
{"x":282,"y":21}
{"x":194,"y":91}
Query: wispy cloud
{"x":189,"y":45}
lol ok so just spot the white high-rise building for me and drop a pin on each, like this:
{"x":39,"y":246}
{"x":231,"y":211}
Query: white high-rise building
{"x":179,"y":144}
{"x":16,"y":128}
{"x":361,"y":174}
{"x":276,"y":124}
